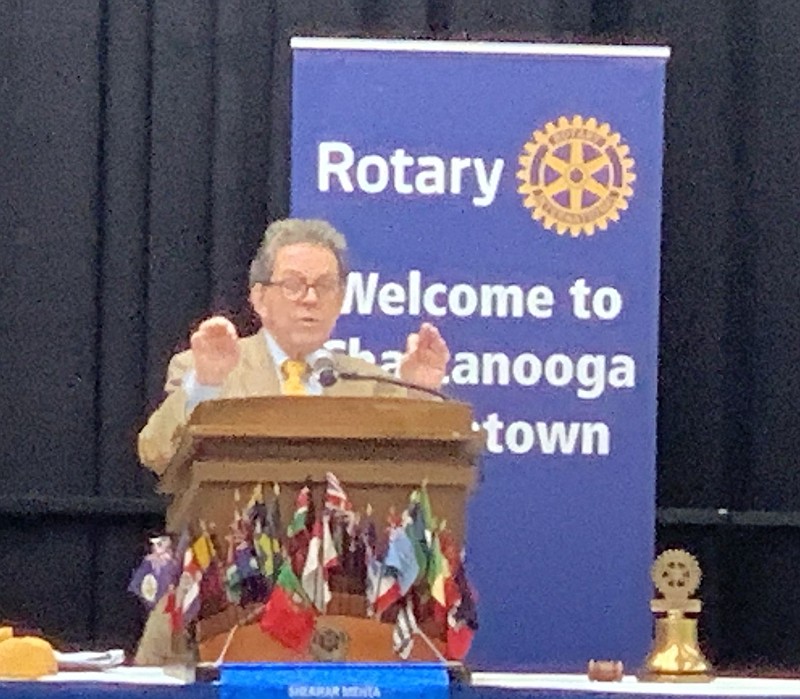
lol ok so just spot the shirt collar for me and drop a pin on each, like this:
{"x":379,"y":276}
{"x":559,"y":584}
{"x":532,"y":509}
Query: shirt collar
{"x":279,"y":356}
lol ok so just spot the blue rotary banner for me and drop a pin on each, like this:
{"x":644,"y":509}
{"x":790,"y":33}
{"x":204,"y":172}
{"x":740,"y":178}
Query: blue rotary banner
{"x":511,"y":194}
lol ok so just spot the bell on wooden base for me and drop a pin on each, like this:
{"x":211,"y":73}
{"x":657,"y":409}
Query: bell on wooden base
{"x":676,"y":654}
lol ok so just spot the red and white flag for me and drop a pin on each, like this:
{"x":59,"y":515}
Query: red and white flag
{"x":330,"y":557}
{"x":314,"y":578}
{"x":336,"y":499}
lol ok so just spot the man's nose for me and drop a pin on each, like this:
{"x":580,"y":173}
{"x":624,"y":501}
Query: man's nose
{"x":311,"y":296}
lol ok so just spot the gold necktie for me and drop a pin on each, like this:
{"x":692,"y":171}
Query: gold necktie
{"x":293,"y":372}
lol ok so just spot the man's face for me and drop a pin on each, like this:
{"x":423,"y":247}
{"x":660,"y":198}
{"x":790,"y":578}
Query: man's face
{"x":299,"y":317}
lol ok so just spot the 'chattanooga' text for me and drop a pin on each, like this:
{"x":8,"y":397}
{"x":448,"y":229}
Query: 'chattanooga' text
{"x":589,"y":376}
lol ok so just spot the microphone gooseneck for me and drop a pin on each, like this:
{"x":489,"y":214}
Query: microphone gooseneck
{"x":380,"y":378}
{"x":327,"y":372}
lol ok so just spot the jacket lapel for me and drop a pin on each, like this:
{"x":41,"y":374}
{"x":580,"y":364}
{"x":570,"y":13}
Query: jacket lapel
{"x":255,"y":375}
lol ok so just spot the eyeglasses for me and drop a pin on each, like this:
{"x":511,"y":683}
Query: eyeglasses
{"x":296,"y":288}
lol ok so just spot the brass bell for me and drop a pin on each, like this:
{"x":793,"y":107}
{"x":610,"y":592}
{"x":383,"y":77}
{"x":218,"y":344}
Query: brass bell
{"x":676,"y":654}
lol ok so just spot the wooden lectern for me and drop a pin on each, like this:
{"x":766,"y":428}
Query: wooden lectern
{"x":381,"y":449}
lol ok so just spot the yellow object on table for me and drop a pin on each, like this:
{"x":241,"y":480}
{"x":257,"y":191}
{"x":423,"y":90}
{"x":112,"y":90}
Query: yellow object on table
{"x":25,"y":657}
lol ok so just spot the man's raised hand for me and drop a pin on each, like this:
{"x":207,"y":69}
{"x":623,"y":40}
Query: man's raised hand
{"x":425,"y":359}
{"x":215,"y":348}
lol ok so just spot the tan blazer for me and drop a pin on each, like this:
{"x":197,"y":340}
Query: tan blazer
{"x":254,"y":375}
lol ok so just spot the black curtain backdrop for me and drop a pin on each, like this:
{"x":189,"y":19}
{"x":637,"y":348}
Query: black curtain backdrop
{"x":144,"y":146}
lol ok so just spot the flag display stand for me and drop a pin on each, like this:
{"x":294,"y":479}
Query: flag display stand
{"x":334,"y":681}
{"x":382,"y":449}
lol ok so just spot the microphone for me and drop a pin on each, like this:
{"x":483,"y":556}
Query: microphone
{"x":327,"y":372}
{"x":324,"y":369}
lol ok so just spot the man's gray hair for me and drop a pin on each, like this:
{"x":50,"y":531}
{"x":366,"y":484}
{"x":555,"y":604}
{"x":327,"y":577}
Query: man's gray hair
{"x":291,"y":231}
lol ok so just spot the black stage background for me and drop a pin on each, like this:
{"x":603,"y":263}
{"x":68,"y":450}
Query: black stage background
{"x":143,"y":148}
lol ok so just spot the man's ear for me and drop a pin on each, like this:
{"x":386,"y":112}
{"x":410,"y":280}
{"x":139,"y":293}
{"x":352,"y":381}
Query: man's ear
{"x":255,"y":297}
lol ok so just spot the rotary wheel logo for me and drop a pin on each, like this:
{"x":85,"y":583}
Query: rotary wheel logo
{"x":676,"y":574}
{"x":575,"y":175}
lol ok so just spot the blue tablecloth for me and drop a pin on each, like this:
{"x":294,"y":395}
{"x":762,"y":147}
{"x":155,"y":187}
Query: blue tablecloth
{"x":484,"y":687}
{"x":95,"y":690}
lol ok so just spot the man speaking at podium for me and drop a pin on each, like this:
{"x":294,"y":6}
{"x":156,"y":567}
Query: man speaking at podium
{"x":297,"y":283}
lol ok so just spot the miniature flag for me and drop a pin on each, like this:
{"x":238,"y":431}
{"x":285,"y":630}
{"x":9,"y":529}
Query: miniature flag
{"x":383,"y":590}
{"x":462,"y":619}
{"x":232,"y":577}
{"x":146,"y":585}
{"x":245,"y":560}
{"x":188,"y":591}
{"x":287,"y":620}
{"x":314,"y":579}
{"x":213,"y":598}
{"x":438,"y":573}
{"x":182,"y":545}
{"x":330,"y":558}
{"x":336,"y":499}
{"x":157,"y":571}
{"x":272,"y":523}
{"x":404,"y":629}
{"x":233,"y":583}
{"x":453,"y":560}
{"x":212,"y":590}
{"x":256,"y":510}
{"x":401,"y":557}
{"x":369,"y":535}
{"x":291,"y":583}
{"x":459,"y":641}
{"x":393,"y":519}
{"x":267,"y":537}
{"x":203,"y":550}
{"x":173,"y":609}
{"x":429,"y":520}
{"x":267,"y":551}
{"x":298,"y":522}
{"x":415,"y":529}
{"x":255,"y":588}
{"x":440,"y":582}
